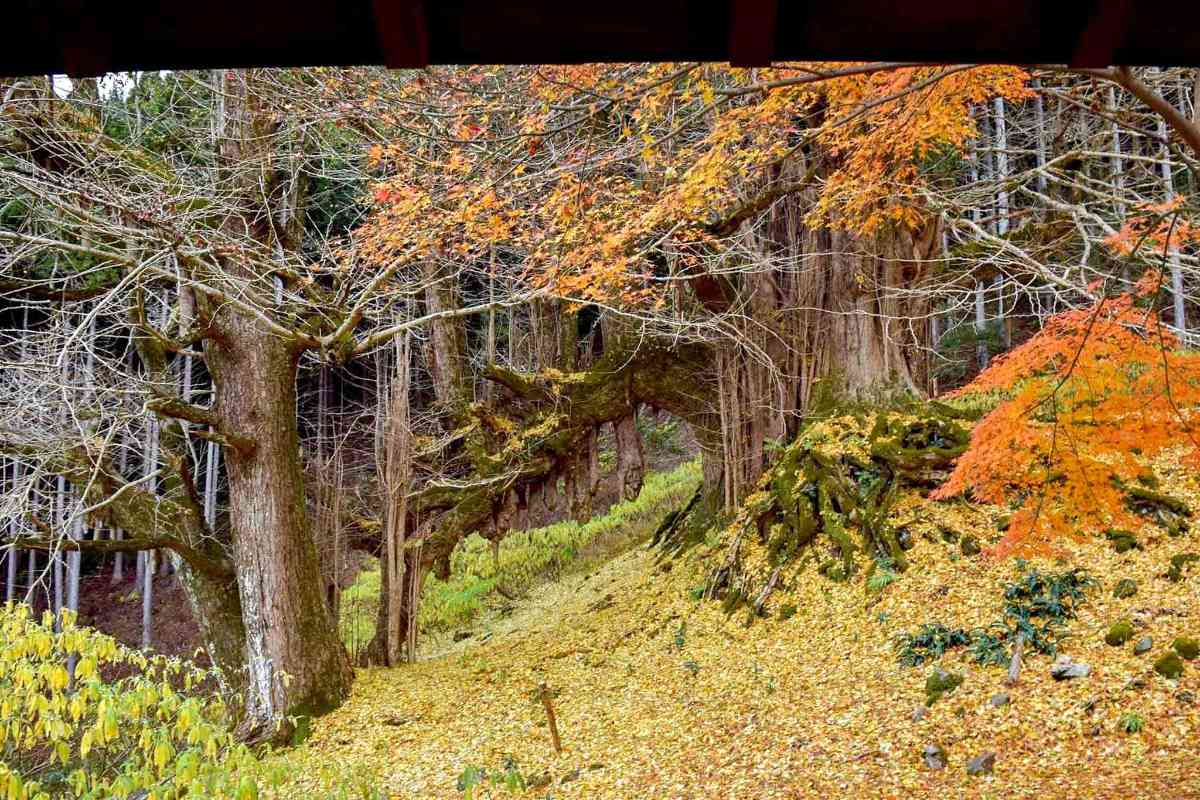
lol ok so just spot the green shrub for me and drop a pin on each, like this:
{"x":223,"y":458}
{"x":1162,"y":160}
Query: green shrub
{"x":1122,"y":541}
{"x":1119,"y":633}
{"x":940,"y":683}
{"x":1125,"y":588}
{"x":1169,"y":665}
{"x":929,"y":643}
{"x":990,"y":647}
{"x":1053,"y":596}
{"x":882,"y":577}
{"x":1180,"y":564}
{"x":510,"y":778}
{"x":1131,"y":722}
{"x":1187,"y":647}
{"x":359,"y":606}
{"x":660,"y":438}
{"x":1036,"y":606}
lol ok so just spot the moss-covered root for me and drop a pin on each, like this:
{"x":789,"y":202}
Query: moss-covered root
{"x":845,"y":490}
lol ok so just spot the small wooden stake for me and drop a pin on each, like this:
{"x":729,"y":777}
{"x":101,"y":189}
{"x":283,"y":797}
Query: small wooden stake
{"x":1014,"y":667}
{"x":544,"y":694}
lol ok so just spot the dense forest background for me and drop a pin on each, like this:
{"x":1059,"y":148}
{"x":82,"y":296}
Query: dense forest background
{"x":261,"y":327}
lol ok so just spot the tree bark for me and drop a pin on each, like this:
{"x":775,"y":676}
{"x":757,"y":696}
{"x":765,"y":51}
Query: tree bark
{"x":447,"y":350}
{"x":631,"y":459}
{"x":146,"y":559}
{"x":295,"y":662}
{"x":407,"y":598}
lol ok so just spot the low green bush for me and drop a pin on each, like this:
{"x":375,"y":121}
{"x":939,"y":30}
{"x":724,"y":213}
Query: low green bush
{"x":1037,"y":607}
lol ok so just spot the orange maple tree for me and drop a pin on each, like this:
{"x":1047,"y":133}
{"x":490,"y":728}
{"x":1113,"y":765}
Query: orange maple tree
{"x":1089,"y":402}
{"x":1156,"y":228}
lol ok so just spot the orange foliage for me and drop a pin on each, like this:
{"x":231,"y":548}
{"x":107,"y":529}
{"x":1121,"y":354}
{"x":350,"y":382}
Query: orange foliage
{"x":1093,"y":397}
{"x":581,"y":171}
{"x":883,"y":125}
{"x":1157,"y":228}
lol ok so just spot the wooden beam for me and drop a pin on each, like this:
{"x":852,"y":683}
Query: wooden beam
{"x":752,"y":32}
{"x":52,"y":36}
{"x":1104,"y":34}
{"x":403,"y":33}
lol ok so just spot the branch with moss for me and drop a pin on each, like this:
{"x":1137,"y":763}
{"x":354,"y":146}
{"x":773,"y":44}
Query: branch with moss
{"x":144,"y":515}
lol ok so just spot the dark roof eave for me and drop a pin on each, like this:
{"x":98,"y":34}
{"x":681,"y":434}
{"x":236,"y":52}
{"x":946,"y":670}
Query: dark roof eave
{"x":93,"y":36}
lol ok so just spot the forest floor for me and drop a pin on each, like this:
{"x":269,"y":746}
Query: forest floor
{"x":116,"y":609}
{"x":660,"y":695}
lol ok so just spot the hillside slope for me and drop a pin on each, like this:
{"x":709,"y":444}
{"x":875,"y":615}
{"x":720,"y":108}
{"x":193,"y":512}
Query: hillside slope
{"x":661,"y":695}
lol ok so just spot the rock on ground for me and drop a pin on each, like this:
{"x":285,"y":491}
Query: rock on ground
{"x":982,"y":764}
{"x":1064,"y":668}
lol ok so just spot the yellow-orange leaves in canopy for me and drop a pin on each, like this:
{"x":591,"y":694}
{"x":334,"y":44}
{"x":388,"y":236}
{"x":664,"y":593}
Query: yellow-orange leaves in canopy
{"x":1092,"y":398}
{"x":595,"y":180}
{"x":881,"y":126}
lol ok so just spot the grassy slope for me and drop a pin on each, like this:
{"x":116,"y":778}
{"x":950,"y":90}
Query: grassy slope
{"x":526,"y":558}
{"x":661,"y":696}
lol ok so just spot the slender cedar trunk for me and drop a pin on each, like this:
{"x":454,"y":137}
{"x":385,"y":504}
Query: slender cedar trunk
{"x":397,"y":614}
{"x":147,"y":587}
{"x":295,"y":663}
{"x":118,"y":572}
{"x":631,"y":459}
{"x":1001,"y":153}
{"x":32,"y":576}
{"x":145,"y":568}
{"x":397,"y":472}
{"x":12,"y":554}
{"x":1002,"y":320}
{"x":1168,"y":178}
{"x":1040,"y":124}
{"x":10,"y":578}
{"x":1117,"y":162}
{"x":981,"y":324}
{"x":211,"y":475}
{"x":60,"y":516}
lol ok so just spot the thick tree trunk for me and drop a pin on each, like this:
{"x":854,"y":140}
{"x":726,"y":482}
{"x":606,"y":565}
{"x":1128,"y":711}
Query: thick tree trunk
{"x":217,"y":608}
{"x":859,"y":340}
{"x":295,"y":663}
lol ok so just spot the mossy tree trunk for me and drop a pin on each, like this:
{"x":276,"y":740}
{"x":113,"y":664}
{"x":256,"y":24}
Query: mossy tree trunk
{"x":295,"y":662}
{"x":631,"y":457}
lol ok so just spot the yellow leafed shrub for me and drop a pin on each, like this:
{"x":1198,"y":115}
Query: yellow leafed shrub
{"x":159,"y":733}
